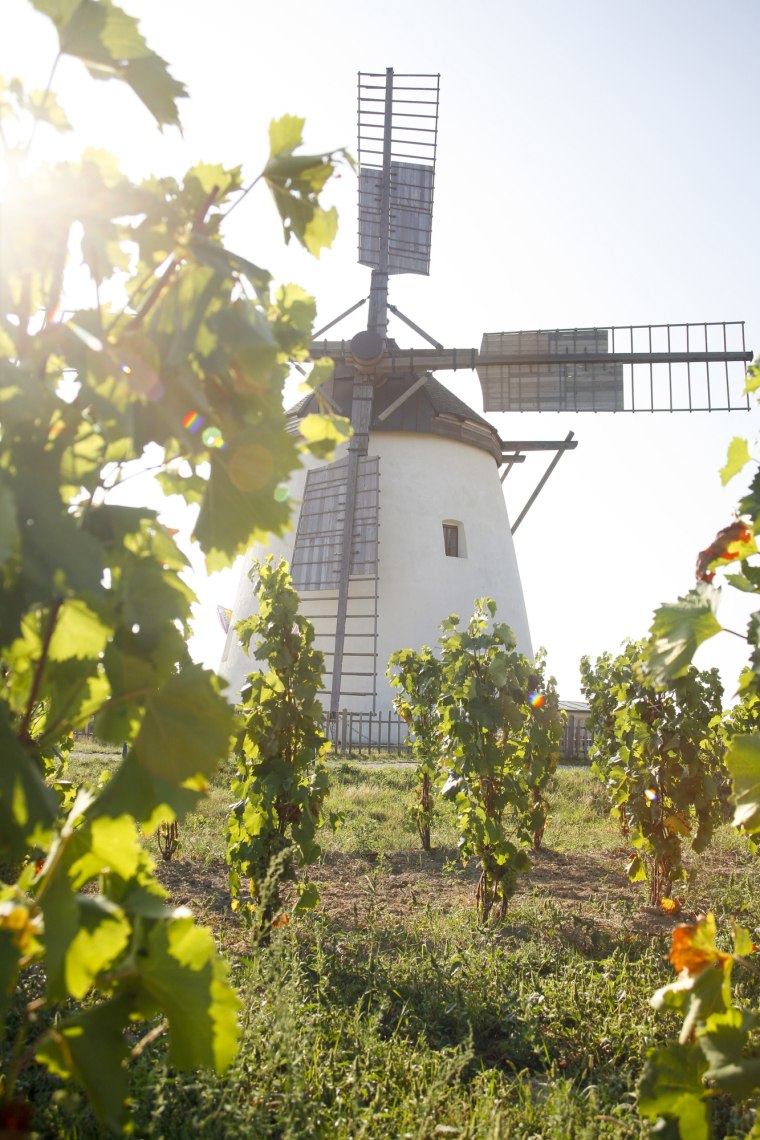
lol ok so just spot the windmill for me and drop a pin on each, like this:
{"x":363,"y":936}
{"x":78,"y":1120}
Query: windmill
{"x":408,"y":523}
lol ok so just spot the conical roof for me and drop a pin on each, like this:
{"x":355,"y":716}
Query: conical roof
{"x":431,"y":409}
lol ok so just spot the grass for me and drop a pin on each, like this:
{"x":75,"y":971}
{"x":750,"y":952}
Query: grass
{"x":388,"y":1013}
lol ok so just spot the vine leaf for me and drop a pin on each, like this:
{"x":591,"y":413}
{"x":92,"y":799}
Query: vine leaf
{"x":107,"y":846}
{"x":294,"y":181}
{"x":182,"y":974}
{"x":186,"y":728}
{"x":90,"y":1047}
{"x":738,"y":456}
{"x":671,"y":1088}
{"x":9,"y":532}
{"x":723,"y":1040}
{"x":323,"y":433}
{"x":27,"y":805}
{"x":693,"y":947}
{"x":108,"y":42}
{"x":743,"y":762}
{"x":84,"y":935}
{"x":678,"y":629}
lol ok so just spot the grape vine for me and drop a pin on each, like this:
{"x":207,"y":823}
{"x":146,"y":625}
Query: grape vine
{"x":716,"y":1049}
{"x":659,"y":752}
{"x":282,"y":779}
{"x":94,"y":607}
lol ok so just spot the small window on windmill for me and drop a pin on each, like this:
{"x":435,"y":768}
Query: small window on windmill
{"x":451,"y":540}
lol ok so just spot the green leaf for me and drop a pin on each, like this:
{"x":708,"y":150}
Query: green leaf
{"x":671,"y":1087}
{"x":79,"y":633}
{"x":27,"y":805}
{"x":723,"y":1040}
{"x":678,"y":629}
{"x":229,"y":264}
{"x":738,"y":457}
{"x":91,"y":1048}
{"x":186,"y":728}
{"x":148,"y":796}
{"x":241,"y":489}
{"x":322,"y":434}
{"x":44,"y":106}
{"x":184,"y":976}
{"x":635,"y":870}
{"x":9,"y":533}
{"x":107,"y":845}
{"x":285,"y":135}
{"x":108,"y":41}
{"x":84,"y":934}
{"x":743,"y":762}
{"x":320,"y":230}
{"x":753,"y":378}
{"x":56,"y":553}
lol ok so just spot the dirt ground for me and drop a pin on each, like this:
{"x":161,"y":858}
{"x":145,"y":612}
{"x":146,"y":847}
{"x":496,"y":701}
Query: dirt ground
{"x":589,"y":894}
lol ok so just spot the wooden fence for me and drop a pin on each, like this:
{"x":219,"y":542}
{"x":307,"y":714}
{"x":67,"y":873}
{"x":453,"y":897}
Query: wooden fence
{"x":576,"y":741}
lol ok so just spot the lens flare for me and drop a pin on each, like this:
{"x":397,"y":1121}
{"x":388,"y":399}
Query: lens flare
{"x":86,"y":337}
{"x":536,"y":700}
{"x":193,"y":422}
{"x":281,"y":493}
{"x":651,"y":795}
{"x":212,"y":437}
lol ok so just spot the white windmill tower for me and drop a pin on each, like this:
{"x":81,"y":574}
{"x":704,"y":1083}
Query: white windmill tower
{"x":409,"y":523}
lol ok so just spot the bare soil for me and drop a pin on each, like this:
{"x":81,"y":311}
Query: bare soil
{"x":589,"y":894}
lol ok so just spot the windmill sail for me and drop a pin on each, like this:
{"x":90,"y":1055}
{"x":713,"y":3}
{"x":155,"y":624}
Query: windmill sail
{"x":556,"y":386}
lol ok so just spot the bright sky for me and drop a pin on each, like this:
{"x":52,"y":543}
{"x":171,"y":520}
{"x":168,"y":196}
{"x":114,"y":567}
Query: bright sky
{"x":597,"y":165}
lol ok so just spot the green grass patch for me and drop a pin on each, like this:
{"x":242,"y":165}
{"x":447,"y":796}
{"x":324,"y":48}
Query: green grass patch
{"x":389,"y":1013}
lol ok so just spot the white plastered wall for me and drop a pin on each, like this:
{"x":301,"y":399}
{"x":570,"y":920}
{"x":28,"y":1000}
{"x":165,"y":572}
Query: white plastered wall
{"x":425,"y":481}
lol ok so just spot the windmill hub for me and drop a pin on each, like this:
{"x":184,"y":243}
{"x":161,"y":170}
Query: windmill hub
{"x":367,"y":349}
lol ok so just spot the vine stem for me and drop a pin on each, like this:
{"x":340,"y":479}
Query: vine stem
{"x":15,"y":1065}
{"x":156,"y":1032}
{"x":245,"y":193}
{"x":39,"y":671}
{"x":46,"y":92}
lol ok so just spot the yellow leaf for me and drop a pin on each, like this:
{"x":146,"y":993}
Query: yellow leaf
{"x":285,"y":134}
{"x":677,"y":824}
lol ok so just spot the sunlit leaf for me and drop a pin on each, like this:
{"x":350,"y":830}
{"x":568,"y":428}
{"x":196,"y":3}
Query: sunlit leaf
{"x":104,"y":37}
{"x":738,"y":457}
{"x":186,"y":727}
{"x":106,"y":845}
{"x":693,"y":947}
{"x":319,"y":232}
{"x":184,"y":976}
{"x":678,"y":629}
{"x":723,"y":1040}
{"x":83,"y":933}
{"x":27,"y":805}
{"x":78,"y":632}
{"x":322,"y":434}
{"x":743,"y":762}
{"x":285,"y":134}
